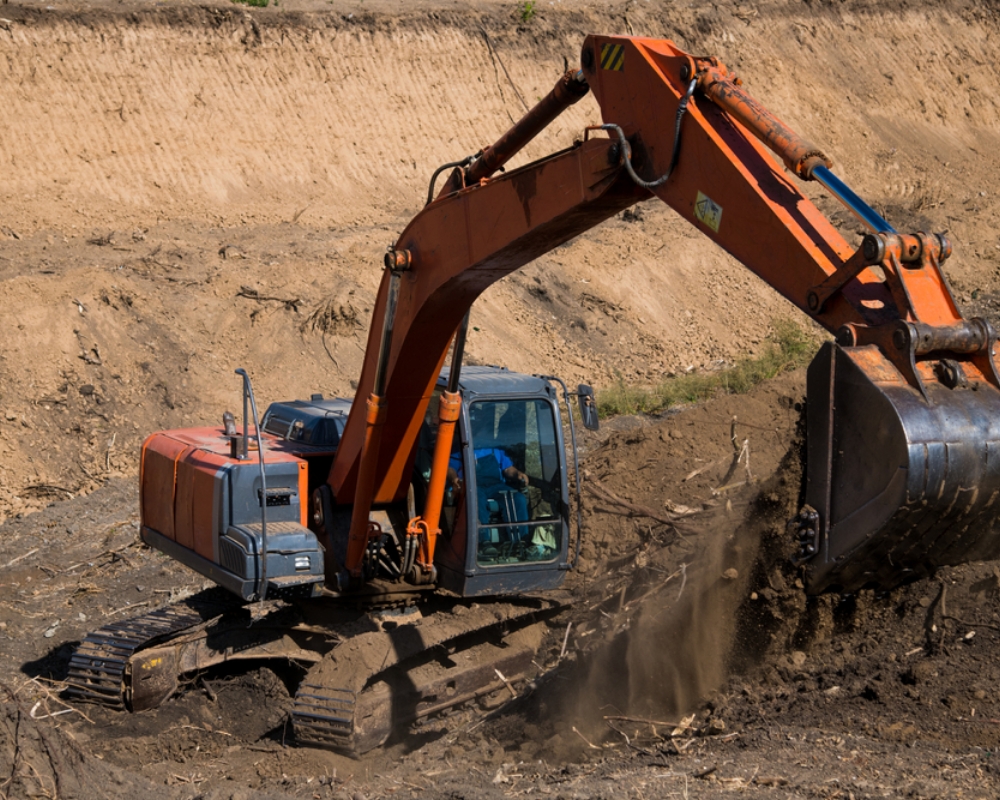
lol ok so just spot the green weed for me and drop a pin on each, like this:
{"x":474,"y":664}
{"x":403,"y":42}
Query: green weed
{"x":255,"y":3}
{"x":527,"y":10}
{"x":787,"y":348}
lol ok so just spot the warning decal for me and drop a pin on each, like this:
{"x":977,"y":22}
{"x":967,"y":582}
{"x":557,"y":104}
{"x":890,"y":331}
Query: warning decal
{"x":707,"y":211}
{"x":613,"y":57}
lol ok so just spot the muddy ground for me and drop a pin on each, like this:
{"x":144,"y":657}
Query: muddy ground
{"x":191,"y":188}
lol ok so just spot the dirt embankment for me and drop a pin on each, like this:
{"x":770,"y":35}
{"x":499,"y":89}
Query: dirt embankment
{"x":190,"y":189}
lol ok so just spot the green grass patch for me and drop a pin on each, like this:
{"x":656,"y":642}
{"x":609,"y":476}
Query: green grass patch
{"x":787,"y":348}
{"x":255,"y":3}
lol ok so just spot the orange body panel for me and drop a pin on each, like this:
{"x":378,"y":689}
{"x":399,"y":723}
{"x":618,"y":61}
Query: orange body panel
{"x":196,"y":505}
{"x":158,"y":479}
{"x":179,"y":483}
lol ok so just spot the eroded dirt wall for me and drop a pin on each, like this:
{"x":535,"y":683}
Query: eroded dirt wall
{"x":222,"y":114}
{"x":181,"y":112}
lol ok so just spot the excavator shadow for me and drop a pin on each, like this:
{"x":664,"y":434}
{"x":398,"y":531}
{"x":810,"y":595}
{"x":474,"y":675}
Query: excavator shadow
{"x":53,"y":665}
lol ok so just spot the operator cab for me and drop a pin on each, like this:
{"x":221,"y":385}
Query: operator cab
{"x":505,"y":524}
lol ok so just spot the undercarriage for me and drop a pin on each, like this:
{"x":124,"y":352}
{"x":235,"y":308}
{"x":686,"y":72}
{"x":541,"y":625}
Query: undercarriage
{"x":368,"y":674}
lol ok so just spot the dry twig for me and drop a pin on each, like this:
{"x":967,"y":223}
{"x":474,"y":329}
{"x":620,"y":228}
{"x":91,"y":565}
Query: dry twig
{"x":502,"y":677}
{"x":290,"y":303}
{"x":49,"y":695}
{"x":967,"y":624}
{"x":128,"y":608}
{"x":562,"y":652}
{"x":496,"y":57}
{"x":602,"y":492}
{"x":48,"y":488}
{"x":643,"y":721}
{"x":20,"y":558}
{"x":208,"y":690}
{"x":103,"y":241}
{"x":697,"y":472}
{"x":589,"y":743}
{"x":741,"y":455}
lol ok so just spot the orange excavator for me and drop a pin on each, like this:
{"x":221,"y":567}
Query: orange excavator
{"x":311,"y":522}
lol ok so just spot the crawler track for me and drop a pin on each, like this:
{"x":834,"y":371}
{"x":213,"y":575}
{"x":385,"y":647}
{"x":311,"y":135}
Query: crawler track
{"x":371,"y":674}
{"x":98,"y":670}
{"x":379,"y":682}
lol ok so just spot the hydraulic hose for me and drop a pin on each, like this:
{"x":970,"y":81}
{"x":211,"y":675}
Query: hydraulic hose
{"x":450,"y":165}
{"x":626,"y":154}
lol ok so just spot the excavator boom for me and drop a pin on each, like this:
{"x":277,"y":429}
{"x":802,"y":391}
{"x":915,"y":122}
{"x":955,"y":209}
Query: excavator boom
{"x":904,"y":451}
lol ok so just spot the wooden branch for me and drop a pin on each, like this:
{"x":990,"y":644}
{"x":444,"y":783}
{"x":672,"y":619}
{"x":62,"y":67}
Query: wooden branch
{"x":642,"y":721}
{"x":603,"y":493}
{"x":290,"y":303}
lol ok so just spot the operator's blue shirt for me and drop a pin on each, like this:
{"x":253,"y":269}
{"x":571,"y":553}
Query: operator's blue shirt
{"x":491,"y":462}
{"x":482,"y":452}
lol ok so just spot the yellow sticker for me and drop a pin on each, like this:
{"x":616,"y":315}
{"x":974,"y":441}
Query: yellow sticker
{"x":613,"y":57}
{"x":707,"y":211}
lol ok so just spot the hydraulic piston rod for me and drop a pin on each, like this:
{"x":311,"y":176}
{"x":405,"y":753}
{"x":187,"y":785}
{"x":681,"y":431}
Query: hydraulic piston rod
{"x":800,"y":156}
{"x":569,"y":89}
{"x":864,"y":212}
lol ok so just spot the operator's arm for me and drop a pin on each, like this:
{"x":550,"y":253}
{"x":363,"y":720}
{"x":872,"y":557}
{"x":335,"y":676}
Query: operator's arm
{"x":455,"y":471}
{"x":514,"y":476}
{"x":511,"y":474}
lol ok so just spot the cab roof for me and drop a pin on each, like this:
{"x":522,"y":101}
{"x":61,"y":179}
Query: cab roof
{"x":489,"y":380}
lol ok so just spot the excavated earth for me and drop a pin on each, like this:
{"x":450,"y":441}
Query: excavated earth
{"x":190,"y":188}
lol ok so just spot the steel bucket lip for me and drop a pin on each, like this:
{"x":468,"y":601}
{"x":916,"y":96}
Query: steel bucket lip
{"x":903,"y":485}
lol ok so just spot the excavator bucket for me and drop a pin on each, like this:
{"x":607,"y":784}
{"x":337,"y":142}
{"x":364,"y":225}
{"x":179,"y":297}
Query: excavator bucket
{"x":901,"y":479}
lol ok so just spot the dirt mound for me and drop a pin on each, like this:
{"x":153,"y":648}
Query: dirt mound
{"x":676,"y":509}
{"x":695,"y":653}
{"x":688,"y":614}
{"x":38,"y":761}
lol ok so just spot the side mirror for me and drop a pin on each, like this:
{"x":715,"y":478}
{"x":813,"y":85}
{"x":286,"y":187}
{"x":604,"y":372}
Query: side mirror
{"x":588,"y":407}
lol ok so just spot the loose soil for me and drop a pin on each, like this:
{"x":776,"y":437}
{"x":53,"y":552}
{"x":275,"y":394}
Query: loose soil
{"x":193,"y":188}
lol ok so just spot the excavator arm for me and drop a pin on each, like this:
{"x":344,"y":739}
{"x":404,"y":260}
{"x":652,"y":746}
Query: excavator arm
{"x":903,"y":462}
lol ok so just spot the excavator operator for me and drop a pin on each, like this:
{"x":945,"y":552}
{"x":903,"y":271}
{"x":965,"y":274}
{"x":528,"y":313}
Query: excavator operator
{"x":496,"y":474}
